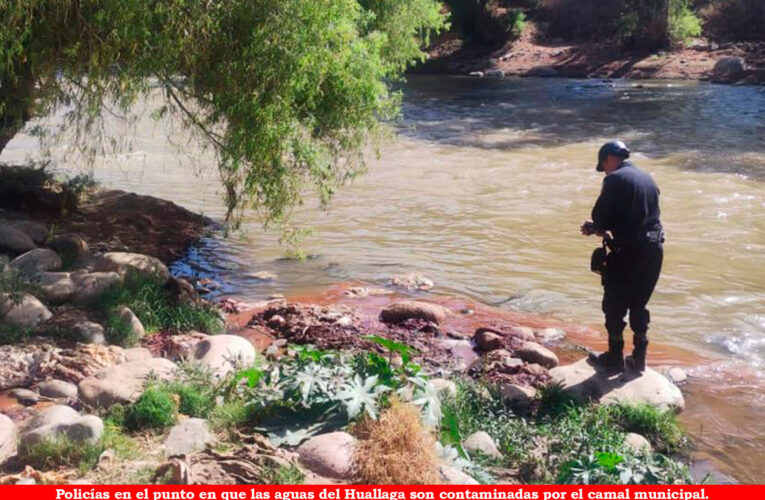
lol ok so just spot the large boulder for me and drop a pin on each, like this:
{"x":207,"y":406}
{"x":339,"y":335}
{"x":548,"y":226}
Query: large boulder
{"x":518,"y":396}
{"x":583,"y":381}
{"x":38,"y":232}
{"x":57,"y":389}
{"x":56,"y":288}
{"x":531,"y":352}
{"x":27,"y":311}
{"x":8,"y":437}
{"x":481,"y":442}
{"x":409,"y":309}
{"x":123,"y":383}
{"x":453,"y":475}
{"x":89,"y":332}
{"x":122,"y":262}
{"x":187,"y":437}
{"x":224,"y":353}
{"x":14,"y":241}
{"x":88,"y":287}
{"x":329,"y":455}
{"x":57,"y":422}
{"x":38,"y":260}
{"x":486,"y":340}
{"x":728,"y":69}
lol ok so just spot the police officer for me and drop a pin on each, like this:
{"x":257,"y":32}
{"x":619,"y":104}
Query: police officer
{"x":628,"y":208}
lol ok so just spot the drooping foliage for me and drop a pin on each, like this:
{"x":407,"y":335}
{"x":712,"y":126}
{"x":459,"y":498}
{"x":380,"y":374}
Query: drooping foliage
{"x":287,"y":93}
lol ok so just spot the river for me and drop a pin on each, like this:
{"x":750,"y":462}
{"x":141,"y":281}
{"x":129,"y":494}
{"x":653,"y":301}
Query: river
{"x":484,"y":190}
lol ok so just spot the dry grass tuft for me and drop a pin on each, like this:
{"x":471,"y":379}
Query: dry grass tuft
{"x":396,"y":449}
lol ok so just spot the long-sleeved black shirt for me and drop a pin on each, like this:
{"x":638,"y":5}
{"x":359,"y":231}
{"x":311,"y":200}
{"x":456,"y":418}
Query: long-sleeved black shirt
{"x":628,"y":205}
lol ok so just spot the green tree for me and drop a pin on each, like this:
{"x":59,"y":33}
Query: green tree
{"x":287,"y":92}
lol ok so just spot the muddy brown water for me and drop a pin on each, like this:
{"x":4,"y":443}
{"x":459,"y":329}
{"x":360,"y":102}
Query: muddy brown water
{"x":483,"y":191}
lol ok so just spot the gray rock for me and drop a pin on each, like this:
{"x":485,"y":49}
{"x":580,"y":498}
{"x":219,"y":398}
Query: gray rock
{"x":264,"y":276}
{"x":224,"y":353}
{"x":38,"y":260}
{"x":481,"y":442}
{"x":550,"y":335}
{"x":56,"y":288}
{"x":187,"y":437}
{"x":517,"y":396}
{"x":8,"y":438}
{"x":25,"y":396}
{"x":531,"y":352}
{"x":478,"y":74}
{"x":129,"y":318}
{"x":123,"y":383}
{"x":137,"y":354}
{"x":89,"y":332}
{"x":584,"y":382}
{"x":329,"y":455}
{"x":452,"y":475}
{"x":728,"y":69}
{"x":523,"y":332}
{"x":14,"y":241}
{"x":26,"y":312}
{"x":38,"y":232}
{"x":70,"y":246}
{"x":122,"y":262}
{"x":637,"y":442}
{"x":62,"y":421}
{"x":88,"y":287}
{"x":57,"y":389}
{"x":409,"y":309}
{"x":495,"y":73}
{"x":676,"y":375}
{"x":411,"y":281}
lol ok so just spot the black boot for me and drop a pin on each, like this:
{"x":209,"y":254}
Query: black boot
{"x":636,"y":361}
{"x":611,"y":361}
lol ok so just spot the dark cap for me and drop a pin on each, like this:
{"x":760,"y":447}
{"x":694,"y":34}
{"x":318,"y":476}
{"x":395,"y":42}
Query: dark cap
{"x":616,"y":148}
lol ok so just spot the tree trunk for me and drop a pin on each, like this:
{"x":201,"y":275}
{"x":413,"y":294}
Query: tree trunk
{"x":653,"y":18}
{"x":16,"y":99}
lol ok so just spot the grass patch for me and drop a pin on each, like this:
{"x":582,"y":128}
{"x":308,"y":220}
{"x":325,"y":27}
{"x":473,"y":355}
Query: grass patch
{"x":232,"y":415}
{"x":157,"y":308}
{"x":13,"y":334}
{"x":119,"y":331}
{"x":195,"y":388}
{"x":62,"y":452}
{"x":155,"y":409}
{"x":571,"y":443}
{"x":284,"y":475}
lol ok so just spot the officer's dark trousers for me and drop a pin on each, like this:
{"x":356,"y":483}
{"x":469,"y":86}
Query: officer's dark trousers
{"x":631,"y":275}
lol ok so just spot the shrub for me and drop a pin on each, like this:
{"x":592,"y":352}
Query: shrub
{"x":195,"y":389}
{"x":155,"y":409}
{"x":157,"y":308}
{"x":683,"y":23}
{"x":396,"y":449}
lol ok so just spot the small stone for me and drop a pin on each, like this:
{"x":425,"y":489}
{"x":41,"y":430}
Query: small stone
{"x":486,"y":340}
{"x":27,"y":311}
{"x":89,"y":332}
{"x":517,"y":396}
{"x":637,"y":442}
{"x":56,"y":288}
{"x":187,"y":437}
{"x":56,"y":389}
{"x":25,"y":396}
{"x":452,"y":334}
{"x":411,"y":281}
{"x":225,"y":353}
{"x":344,"y":321}
{"x":495,"y":73}
{"x":70,"y":247}
{"x":129,"y":319}
{"x":37,"y":261}
{"x":478,"y":74}
{"x":531,"y":352}
{"x":523,"y":332}
{"x":483,"y":443}
{"x":264,"y":276}
{"x":329,"y":455}
{"x":452,"y":475}
{"x":537,"y":370}
{"x":550,"y":335}
{"x":407,"y":309}
{"x":14,"y":241}
{"x":276,"y":321}
{"x":467,"y":311}
{"x":677,"y":375}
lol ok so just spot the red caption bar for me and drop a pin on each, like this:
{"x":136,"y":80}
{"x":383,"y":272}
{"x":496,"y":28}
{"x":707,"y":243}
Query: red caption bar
{"x":344,"y":492}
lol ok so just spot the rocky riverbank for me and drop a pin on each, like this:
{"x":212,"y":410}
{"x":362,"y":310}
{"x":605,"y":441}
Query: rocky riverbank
{"x":113,"y":370}
{"x":534,"y":55}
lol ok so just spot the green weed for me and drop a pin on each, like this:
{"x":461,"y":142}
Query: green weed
{"x":155,"y":409}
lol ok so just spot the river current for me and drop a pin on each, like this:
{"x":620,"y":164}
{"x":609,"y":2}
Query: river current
{"x":483,"y":191}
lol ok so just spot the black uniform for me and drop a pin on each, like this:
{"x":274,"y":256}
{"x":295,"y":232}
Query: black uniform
{"x":628,"y":206}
